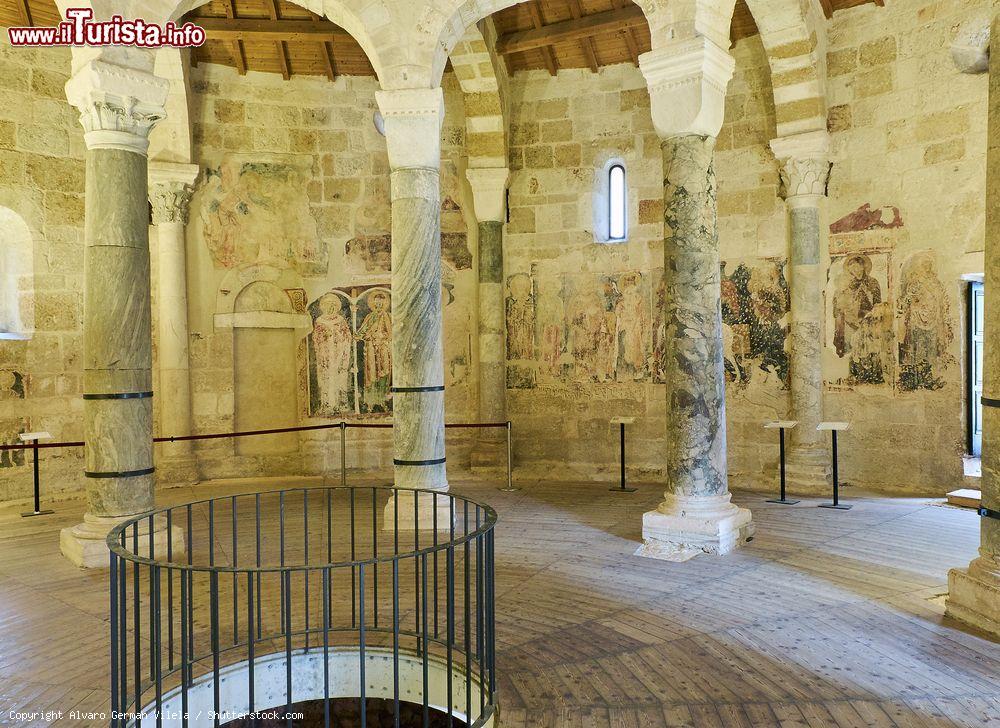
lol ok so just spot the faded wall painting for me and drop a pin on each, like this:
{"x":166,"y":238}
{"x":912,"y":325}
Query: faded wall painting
{"x":519,"y":314}
{"x":859,"y":321}
{"x":349,"y":352}
{"x":10,"y":429}
{"x":925,"y":331}
{"x":12,"y":385}
{"x":369,"y":253}
{"x":255,"y":209}
{"x":755,"y":322}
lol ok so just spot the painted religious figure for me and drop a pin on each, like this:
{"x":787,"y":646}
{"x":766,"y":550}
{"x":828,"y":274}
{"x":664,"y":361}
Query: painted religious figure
{"x":375,"y":335}
{"x":924,"y":325}
{"x":332,"y":342}
{"x":519,"y":317}
{"x":631,"y":309}
{"x":755,"y":305}
{"x":349,"y":352}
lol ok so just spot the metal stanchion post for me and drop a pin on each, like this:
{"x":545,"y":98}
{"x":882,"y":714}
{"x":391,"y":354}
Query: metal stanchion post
{"x":34,"y":437}
{"x":343,"y":454}
{"x":780,"y":426}
{"x":621,"y":422}
{"x":834,"y":427}
{"x":510,"y":464}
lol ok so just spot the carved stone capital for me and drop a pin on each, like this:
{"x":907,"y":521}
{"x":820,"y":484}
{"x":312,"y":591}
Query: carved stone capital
{"x":687,"y":83}
{"x":118,"y":104}
{"x":805,"y":165}
{"x":170,"y":188}
{"x":489,"y":185}
{"x":413,"y":119}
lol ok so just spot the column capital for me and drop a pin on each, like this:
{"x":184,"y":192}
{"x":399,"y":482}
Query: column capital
{"x":118,"y":104}
{"x":804,"y":160}
{"x":687,"y":83}
{"x":170,"y":188}
{"x":413,"y":119}
{"x":489,"y":185}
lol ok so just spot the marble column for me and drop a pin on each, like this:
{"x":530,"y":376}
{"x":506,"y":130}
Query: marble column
{"x":413,"y":120}
{"x":489,"y":187}
{"x":805,"y":165}
{"x":118,"y":106}
{"x":687,"y":82}
{"x":170,"y":187}
{"x":974,"y":592}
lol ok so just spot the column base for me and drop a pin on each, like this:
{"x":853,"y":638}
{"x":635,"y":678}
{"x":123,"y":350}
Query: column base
{"x":424,"y":517}
{"x":85,"y":544}
{"x":685,"y":526}
{"x":172,"y":472}
{"x":974,"y":595}
{"x":808,"y":469}
{"x":489,"y":457}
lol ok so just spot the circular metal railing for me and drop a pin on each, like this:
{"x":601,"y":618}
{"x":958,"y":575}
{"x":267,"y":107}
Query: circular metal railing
{"x":226,"y":607}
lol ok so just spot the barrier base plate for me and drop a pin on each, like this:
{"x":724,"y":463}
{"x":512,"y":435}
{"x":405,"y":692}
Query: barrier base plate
{"x":839,"y":506}
{"x":29,"y":514}
{"x":783,"y":501}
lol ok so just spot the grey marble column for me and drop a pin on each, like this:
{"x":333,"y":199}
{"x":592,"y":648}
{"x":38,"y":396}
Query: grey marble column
{"x":417,"y":353}
{"x":974,"y":593}
{"x":696,"y":514}
{"x":413,"y":138}
{"x":805,"y":165}
{"x":117,"y":343}
{"x":170,"y":195}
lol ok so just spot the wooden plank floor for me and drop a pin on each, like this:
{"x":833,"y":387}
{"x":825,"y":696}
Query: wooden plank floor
{"x":827,"y":618}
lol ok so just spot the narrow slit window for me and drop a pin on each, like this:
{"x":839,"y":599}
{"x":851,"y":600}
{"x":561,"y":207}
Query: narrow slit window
{"x":616,"y":202}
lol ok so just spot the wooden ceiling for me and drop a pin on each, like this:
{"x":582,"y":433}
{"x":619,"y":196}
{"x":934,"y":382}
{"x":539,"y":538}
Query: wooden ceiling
{"x":277,"y":36}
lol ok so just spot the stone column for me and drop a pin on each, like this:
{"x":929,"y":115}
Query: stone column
{"x":805,"y":166}
{"x":413,"y":120}
{"x":118,"y":107}
{"x":974,"y":593}
{"x":489,"y":186}
{"x":687,"y":84}
{"x":170,"y":187}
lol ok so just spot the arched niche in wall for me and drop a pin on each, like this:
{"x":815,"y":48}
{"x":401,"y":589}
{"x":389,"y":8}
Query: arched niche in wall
{"x":266,"y":330}
{"x":17,"y":311}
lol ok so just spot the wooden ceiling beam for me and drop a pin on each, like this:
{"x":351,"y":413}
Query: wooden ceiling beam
{"x":269,"y":30}
{"x":239,"y":53}
{"x":547,"y":53}
{"x":280,"y":46}
{"x":827,"y":6}
{"x":326,"y":52}
{"x":631,"y":43}
{"x":610,"y":21}
{"x":26,"y":13}
{"x":587,"y":42}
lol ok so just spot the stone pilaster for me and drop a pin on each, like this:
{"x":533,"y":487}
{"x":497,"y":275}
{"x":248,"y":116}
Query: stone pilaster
{"x":170,"y":187}
{"x":805,"y":166}
{"x":974,"y":593}
{"x":118,"y":106}
{"x":687,"y":82}
{"x":489,"y":186}
{"x":413,"y":120}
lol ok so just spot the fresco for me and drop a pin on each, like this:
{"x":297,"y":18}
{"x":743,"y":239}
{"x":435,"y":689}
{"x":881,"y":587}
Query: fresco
{"x":13,"y":385}
{"x":519,"y":314}
{"x":924,"y":324}
{"x":256,"y":210}
{"x":369,"y":253}
{"x":349,"y":352}
{"x":865,"y":218}
{"x":755,"y":322}
{"x":859,"y":326}
{"x":10,"y":429}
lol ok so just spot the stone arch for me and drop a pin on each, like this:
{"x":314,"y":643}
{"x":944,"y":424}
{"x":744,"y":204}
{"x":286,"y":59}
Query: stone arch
{"x":794,"y":38}
{"x":17,"y":314}
{"x":477,"y":73}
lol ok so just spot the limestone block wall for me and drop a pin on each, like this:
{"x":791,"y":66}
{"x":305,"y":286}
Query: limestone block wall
{"x":41,"y":196}
{"x":294,"y":200}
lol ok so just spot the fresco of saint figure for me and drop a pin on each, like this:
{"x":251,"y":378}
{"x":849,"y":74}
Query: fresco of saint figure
{"x":375,"y":333}
{"x":755,"y":304}
{"x":871,"y":347}
{"x":520,"y":315}
{"x":632,"y":322}
{"x":926,"y":331}
{"x":551,"y":330}
{"x":856,"y":295}
{"x":332,"y":341}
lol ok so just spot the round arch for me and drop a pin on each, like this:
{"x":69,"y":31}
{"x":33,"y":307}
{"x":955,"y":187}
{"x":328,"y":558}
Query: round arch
{"x":17,"y":315}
